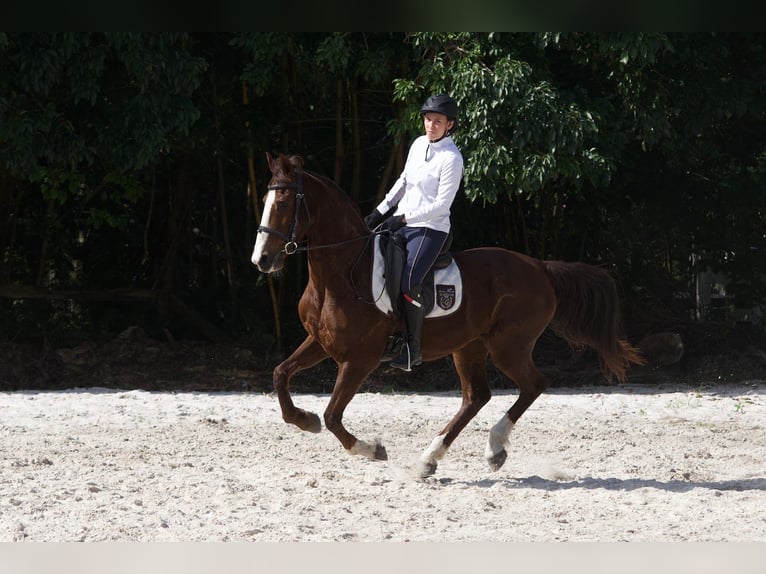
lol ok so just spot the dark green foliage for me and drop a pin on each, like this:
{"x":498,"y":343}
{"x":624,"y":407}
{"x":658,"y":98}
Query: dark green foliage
{"x":124,"y":160}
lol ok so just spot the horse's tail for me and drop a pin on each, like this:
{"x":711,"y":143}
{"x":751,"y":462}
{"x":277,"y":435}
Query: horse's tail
{"x":588,"y":313}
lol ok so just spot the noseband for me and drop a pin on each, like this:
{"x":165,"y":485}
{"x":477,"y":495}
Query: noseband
{"x":291,"y":246}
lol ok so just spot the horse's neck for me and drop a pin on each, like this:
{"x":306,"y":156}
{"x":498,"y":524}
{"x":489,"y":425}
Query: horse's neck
{"x":333,"y":258}
{"x":337,"y":247}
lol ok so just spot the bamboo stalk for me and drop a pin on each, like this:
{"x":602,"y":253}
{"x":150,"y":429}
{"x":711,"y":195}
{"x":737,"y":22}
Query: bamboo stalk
{"x":253,"y":195}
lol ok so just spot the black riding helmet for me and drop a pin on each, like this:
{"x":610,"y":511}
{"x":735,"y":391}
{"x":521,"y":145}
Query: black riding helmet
{"x":442,"y":104}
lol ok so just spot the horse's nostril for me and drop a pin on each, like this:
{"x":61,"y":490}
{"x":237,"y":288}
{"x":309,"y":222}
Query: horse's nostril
{"x":263,"y":263}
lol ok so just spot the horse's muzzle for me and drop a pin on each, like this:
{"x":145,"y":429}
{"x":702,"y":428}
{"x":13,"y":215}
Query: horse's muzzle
{"x":267,"y":264}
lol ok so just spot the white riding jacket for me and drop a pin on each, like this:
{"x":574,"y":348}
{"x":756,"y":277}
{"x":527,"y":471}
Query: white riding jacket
{"x":428,"y":184}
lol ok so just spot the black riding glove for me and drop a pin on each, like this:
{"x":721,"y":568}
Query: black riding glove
{"x":394,"y":223}
{"x":372,"y":220}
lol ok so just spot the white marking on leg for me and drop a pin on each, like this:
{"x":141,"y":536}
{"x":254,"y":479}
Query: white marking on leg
{"x":426,"y":465}
{"x":435,"y":452}
{"x":498,"y":437}
{"x":262,"y":236}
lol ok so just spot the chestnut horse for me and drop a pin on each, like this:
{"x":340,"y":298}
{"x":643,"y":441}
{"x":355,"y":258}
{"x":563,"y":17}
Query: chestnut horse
{"x":509,"y":299}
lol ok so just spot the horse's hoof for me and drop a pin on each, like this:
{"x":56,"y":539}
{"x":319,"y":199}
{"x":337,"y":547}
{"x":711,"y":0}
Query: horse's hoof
{"x":423,"y":469}
{"x":312,"y":424}
{"x":373,"y":451}
{"x":497,"y":460}
{"x":380,"y":452}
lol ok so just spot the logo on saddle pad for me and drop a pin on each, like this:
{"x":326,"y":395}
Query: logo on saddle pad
{"x":448,"y":287}
{"x":445,"y":296}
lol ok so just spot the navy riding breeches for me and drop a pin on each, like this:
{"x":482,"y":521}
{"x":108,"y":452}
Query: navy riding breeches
{"x":423,"y":247}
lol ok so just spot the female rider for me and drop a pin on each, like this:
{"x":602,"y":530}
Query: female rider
{"x":421,"y":199}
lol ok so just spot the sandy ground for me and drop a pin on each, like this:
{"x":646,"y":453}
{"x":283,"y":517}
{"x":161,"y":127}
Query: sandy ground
{"x":619,"y":463}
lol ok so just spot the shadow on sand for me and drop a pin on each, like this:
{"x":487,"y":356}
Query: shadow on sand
{"x":588,"y":483}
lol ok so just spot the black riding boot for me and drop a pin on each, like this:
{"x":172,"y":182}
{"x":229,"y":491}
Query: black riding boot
{"x":410,"y":355}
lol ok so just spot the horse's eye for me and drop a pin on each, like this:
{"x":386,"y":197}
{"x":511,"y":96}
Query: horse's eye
{"x":281,"y":205}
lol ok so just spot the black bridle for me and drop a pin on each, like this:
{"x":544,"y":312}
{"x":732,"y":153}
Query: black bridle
{"x":291,"y":246}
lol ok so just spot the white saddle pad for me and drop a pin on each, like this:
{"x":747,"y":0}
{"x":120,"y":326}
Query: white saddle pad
{"x":448,"y":287}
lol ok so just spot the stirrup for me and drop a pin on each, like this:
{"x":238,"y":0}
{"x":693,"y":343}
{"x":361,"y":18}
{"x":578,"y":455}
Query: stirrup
{"x":405,"y":361}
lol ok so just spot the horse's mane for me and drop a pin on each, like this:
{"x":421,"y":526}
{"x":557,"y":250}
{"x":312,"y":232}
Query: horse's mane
{"x":288,"y":165}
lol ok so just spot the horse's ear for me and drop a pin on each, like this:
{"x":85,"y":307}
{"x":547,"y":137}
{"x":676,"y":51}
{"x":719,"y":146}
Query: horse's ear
{"x":296,"y":161}
{"x":271,"y":162}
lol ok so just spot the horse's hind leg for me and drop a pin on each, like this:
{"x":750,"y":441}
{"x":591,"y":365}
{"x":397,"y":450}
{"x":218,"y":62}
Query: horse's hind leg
{"x":519,"y":367}
{"x":308,"y":354}
{"x":470,"y":364}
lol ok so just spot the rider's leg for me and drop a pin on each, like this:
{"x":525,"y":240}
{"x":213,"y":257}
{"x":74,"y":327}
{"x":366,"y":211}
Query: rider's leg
{"x":411,"y":355}
{"x":423,"y":248}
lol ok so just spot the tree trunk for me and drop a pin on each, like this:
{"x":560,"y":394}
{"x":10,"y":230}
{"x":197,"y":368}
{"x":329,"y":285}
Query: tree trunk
{"x":338,"y":130}
{"x":43,"y":268}
{"x":179,"y":200}
{"x":9,"y":216}
{"x":222,"y":200}
{"x":252,"y":192}
{"x":356,"y":181}
{"x":394,"y":159}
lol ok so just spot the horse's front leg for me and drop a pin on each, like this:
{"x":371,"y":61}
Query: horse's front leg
{"x":350,"y":378}
{"x":308,"y":354}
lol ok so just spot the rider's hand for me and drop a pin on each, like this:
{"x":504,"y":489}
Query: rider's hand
{"x":372,"y":220}
{"x":394,"y":223}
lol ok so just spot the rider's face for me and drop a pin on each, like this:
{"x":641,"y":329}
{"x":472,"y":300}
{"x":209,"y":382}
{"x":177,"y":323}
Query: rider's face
{"x":436,"y":125}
